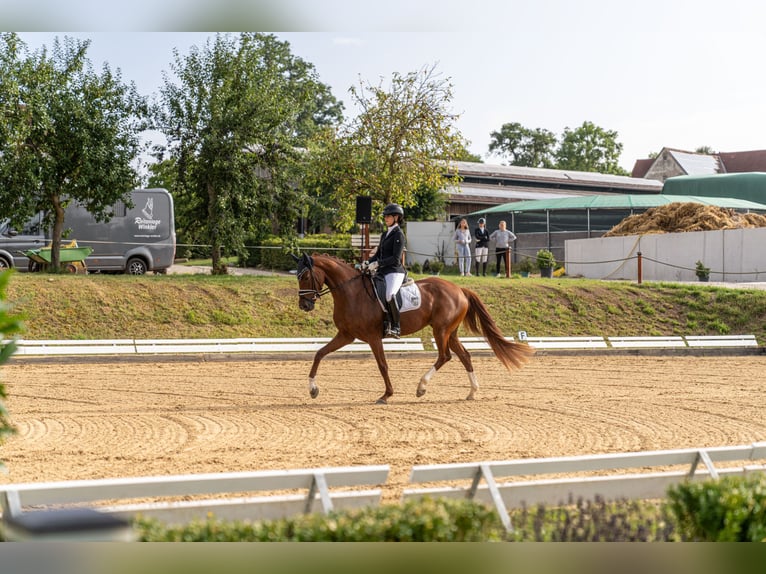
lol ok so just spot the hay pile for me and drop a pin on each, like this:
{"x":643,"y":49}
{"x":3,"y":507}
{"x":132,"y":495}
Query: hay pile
{"x":680,"y":217}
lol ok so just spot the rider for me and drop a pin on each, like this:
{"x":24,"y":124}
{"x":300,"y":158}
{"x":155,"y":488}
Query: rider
{"x":388,"y":260}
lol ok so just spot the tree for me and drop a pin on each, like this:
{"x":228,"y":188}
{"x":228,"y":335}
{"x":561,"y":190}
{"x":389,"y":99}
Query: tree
{"x":233,"y":124}
{"x":390,"y":150}
{"x":69,"y":134}
{"x":525,"y":147}
{"x":706,"y":149}
{"x":590,"y":148}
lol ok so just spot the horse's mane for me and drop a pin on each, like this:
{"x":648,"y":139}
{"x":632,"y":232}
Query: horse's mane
{"x":334,"y":258}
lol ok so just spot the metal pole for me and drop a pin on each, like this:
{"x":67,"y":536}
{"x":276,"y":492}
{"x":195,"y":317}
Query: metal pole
{"x":639,"y":261}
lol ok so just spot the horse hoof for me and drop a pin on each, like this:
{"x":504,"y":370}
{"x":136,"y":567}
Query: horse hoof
{"x":381,"y":402}
{"x":470,"y":398}
{"x":314,"y":392}
{"x":420,"y":392}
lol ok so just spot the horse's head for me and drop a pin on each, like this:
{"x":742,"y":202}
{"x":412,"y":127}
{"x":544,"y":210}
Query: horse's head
{"x":310,"y":282}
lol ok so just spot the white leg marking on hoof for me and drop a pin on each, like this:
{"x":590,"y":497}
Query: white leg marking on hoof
{"x":425,"y":379}
{"x":474,"y":385}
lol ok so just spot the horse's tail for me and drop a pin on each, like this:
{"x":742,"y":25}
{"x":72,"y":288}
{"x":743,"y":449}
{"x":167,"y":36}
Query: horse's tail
{"x":479,"y":321}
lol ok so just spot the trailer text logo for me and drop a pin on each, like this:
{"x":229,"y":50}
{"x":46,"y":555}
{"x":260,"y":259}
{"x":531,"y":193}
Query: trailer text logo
{"x":148,"y":223}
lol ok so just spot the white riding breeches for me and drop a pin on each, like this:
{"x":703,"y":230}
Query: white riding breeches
{"x":393,"y":283}
{"x":481,"y":254}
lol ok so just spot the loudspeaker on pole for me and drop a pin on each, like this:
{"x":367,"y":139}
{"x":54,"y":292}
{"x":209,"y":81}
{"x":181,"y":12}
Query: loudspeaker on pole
{"x":363,"y":209}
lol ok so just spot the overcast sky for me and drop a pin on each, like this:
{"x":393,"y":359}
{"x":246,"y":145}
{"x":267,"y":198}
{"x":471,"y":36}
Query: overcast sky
{"x":661,"y":73}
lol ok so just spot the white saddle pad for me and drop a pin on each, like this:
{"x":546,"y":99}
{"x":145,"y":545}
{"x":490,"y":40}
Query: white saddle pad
{"x":410,"y":297}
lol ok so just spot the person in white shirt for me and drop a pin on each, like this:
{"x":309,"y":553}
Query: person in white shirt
{"x":503,"y":239}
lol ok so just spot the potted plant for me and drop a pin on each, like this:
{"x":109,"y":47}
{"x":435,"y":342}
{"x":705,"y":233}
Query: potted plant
{"x":525,"y":266}
{"x":546,"y":262}
{"x":436,"y":267}
{"x":702,"y":272}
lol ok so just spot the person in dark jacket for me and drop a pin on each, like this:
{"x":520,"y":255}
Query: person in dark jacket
{"x":387,"y":261}
{"x":481,"y":235}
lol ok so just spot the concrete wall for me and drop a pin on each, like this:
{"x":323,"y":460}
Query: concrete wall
{"x":733,"y":255}
{"x":427,"y":238}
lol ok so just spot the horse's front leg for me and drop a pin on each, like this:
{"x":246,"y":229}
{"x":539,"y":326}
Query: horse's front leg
{"x":444,"y":356}
{"x":380,"y":356}
{"x":338,"y":341}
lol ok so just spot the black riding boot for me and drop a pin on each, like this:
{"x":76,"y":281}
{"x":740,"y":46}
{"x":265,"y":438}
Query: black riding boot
{"x":484,"y":269}
{"x":391,"y":325}
{"x":477,"y":269}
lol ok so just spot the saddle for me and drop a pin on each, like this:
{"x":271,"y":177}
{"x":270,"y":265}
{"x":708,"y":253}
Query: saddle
{"x":406,"y":299}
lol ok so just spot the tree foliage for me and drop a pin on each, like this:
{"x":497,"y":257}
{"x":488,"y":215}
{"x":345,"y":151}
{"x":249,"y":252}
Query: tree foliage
{"x":233,"y":122}
{"x":525,"y":147}
{"x":68,"y":133}
{"x":585,"y":148}
{"x":590,"y":148}
{"x":390,"y":150}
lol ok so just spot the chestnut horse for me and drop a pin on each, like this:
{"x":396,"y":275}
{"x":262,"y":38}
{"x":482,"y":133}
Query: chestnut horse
{"x":358,"y":315}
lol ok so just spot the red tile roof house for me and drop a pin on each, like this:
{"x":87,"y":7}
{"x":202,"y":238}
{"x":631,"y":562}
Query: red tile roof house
{"x":672,"y":162}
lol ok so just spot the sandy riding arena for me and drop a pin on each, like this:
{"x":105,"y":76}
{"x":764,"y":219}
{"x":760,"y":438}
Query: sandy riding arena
{"x":114,"y":419}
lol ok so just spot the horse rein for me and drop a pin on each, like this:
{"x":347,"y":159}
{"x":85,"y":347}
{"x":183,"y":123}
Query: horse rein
{"x":314,"y":294}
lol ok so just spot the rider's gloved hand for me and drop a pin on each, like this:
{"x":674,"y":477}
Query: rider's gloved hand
{"x":371,"y":267}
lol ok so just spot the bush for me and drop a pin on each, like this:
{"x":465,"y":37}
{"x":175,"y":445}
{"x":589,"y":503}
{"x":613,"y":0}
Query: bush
{"x":427,"y":520}
{"x":732,"y":509}
{"x":9,"y":325}
{"x":594,"y":521}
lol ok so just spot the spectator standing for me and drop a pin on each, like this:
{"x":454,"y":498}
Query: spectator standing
{"x":503,"y":239}
{"x":462,"y":239}
{"x":481,"y":235}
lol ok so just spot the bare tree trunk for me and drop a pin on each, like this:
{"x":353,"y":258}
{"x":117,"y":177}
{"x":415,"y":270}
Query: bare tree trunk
{"x":215,"y":244}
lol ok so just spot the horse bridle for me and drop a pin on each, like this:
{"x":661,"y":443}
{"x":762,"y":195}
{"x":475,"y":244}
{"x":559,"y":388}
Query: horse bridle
{"x":314,"y":293}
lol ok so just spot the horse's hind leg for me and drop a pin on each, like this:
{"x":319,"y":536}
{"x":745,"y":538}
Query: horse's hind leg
{"x":442,"y":345}
{"x":338,"y":341}
{"x":465,"y":358}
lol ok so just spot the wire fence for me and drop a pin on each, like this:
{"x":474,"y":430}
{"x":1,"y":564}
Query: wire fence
{"x":621,"y":262}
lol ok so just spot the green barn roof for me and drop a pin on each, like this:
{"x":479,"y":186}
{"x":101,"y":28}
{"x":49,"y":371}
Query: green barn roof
{"x":750,"y":186}
{"x":618,"y":201}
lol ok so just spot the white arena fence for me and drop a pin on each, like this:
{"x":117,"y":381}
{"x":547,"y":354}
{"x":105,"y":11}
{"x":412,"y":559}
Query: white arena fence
{"x":101,"y":509}
{"x":31,"y":348}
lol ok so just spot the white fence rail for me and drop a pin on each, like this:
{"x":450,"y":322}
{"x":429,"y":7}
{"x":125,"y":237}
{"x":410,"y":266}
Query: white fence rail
{"x":265,"y":345}
{"x":100,"y":509}
{"x":182,"y":346}
{"x":55,"y":510}
{"x":482,"y":476}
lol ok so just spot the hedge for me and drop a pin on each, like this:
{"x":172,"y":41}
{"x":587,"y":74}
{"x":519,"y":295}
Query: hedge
{"x":274,"y":252}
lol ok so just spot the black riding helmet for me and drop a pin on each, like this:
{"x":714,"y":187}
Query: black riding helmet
{"x":393,"y":209}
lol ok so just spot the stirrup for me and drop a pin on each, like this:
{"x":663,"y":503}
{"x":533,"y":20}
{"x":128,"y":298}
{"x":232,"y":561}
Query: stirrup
{"x":392,"y":331}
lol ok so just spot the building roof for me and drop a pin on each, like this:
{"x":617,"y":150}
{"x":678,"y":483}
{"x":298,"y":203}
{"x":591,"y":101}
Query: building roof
{"x":641,"y":167}
{"x":619,"y":201}
{"x":707,"y":164}
{"x":696,"y":163}
{"x":473,"y":172}
{"x":743,"y":161}
{"x":747,"y":186}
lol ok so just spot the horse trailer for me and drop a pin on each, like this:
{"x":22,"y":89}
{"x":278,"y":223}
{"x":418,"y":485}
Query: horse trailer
{"x":134,"y":240}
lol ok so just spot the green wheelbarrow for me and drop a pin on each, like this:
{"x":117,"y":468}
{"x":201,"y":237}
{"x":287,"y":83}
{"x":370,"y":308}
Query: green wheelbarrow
{"x":71,"y":256}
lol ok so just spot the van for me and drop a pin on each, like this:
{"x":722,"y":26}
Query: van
{"x":133,"y":241}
